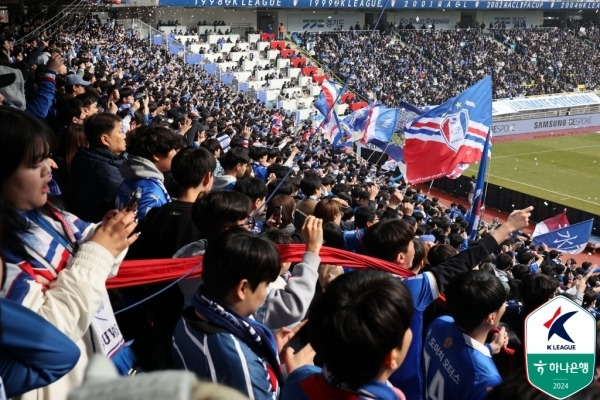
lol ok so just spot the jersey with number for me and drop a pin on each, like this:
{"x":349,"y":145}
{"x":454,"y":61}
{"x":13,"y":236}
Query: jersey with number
{"x":457,"y":367}
{"x":408,"y":377}
{"x":425,"y":288}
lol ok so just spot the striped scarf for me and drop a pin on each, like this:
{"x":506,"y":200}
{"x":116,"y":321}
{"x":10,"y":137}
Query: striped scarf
{"x":254,"y":334}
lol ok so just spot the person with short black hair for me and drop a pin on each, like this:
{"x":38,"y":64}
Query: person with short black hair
{"x":165,"y":230}
{"x":476,"y":301}
{"x":168,"y":228}
{"x":213,"y":214}
{"x":234,"y":164}
{"x":95,"y":176}
{"x":215,"y":338}
{"x":360,"y":329}
{"x":364,"y":217}
{"x":150,"y":151}
{"x":256,"y":190}
{"x":214,"y":146}
{"x":89,"y":102}
{"x":392,"y":240}
{"x":259,"y":161}
{"x":504,"y":263}
{"x":311,"y":188}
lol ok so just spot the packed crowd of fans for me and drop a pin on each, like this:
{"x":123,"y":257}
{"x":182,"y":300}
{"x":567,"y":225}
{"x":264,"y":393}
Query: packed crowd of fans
{"x":428,"y":66}
{"x":120,"y":151}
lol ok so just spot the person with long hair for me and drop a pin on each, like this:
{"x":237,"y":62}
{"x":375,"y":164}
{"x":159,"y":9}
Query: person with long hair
{"x":57,"y":264}
{"x":71,"y":139}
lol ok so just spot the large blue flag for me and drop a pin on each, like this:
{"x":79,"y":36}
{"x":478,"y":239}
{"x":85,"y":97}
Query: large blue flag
{"x":571,"y":239}
{"x":454,"y":133}
{"x":475,"y":214}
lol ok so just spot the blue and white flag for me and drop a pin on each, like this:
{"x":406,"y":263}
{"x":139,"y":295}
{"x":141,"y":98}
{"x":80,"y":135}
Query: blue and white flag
{"x":380,"y":125}
{"x":571,"y":239}
{"x":338,"y":133}
{"x":395,"y":147}
{"x":330,"y":91}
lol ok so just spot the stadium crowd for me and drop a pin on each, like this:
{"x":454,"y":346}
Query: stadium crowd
{"x":117,"y":151}
{"x":427,"y":66}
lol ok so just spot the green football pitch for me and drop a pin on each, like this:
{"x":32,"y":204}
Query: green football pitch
{"x":565,"y":169}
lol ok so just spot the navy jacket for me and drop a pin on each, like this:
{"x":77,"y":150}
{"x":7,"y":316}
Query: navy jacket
{"x":94,"y":181}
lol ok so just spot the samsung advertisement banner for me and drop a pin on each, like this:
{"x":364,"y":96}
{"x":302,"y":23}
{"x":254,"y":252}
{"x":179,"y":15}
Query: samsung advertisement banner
{"x":321,"y":22}
{"x":393,"y":4}
{"x":546,"y":127}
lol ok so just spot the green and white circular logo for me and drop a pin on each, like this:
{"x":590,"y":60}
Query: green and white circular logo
{"x":560,"y":347}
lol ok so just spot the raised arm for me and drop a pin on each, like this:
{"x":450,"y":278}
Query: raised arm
{"x":468,"y":259}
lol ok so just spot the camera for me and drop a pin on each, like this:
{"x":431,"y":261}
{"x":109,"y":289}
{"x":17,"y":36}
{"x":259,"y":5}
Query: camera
{"x":139,"y":96}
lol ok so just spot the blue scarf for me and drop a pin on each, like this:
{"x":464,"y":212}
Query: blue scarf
{"x":256,"y":336}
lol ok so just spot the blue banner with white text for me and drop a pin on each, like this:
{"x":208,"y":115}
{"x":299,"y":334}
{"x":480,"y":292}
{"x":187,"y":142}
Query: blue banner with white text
{"x":393,"y":4}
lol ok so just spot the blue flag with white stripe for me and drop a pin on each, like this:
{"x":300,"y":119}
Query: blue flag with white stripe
{"x":571,"y":239}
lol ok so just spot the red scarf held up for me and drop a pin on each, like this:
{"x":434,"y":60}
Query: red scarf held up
{"x":142,"y":272}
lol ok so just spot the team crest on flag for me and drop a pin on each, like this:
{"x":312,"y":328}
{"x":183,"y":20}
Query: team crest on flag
{"x":442,"y":140}
{"x":454,"y":129}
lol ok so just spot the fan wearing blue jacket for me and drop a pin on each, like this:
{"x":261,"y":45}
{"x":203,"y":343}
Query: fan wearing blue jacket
{"x":150,"y":150}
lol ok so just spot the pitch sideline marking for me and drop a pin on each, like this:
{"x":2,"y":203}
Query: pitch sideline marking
{"x":545,"y":151}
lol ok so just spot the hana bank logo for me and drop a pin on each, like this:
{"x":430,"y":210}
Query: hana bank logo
{"x":556,"y":327}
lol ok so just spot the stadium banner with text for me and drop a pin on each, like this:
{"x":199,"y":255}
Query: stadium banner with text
{"x":321,"y":22}
{"x":439,"y":19}
{"x":394,"y":4}
{"x":548,"y":127}
{"x":534,"y":103}
{"x":513,"y":19}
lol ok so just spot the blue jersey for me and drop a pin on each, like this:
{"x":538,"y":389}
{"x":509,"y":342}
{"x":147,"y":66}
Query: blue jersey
{"x":425,"y":288}
{"x":408,"y":377}
{"x":215,"y":354}
{"x":457,"y":367}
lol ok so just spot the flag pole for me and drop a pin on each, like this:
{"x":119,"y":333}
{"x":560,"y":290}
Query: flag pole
{"x":479,"y":198}
{"x":490,"y":151}
{"x":430,"y":186}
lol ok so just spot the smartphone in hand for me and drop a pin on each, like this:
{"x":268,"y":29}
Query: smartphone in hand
{"x":132,"y":204}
